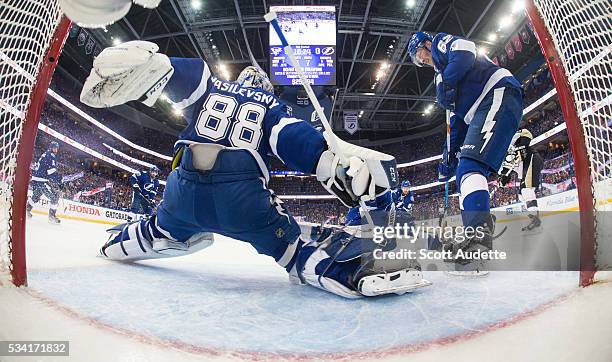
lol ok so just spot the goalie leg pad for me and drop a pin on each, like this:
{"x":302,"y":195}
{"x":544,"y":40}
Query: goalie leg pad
{"x":344,"y":265}
{"x":145,"y":239}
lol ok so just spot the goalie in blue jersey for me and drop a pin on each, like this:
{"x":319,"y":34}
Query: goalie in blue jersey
{"x":486,"y":102}
{"x":220,"y":174}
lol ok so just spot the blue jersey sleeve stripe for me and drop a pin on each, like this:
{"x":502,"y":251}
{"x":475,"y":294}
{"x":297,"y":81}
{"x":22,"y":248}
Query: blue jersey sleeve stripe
{"x":198,"y":92}
{"x":464,"y":45}
{"x":276,"y":130}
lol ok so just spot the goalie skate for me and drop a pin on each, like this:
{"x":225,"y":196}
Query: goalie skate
{"x":398,"y":282}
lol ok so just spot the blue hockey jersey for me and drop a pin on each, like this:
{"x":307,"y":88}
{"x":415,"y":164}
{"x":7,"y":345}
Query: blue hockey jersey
{"x":225,"y":113}
{"x":381,"y":203}
{"x":458,"y":66}
{"x":142,"y":181}
{"x":45,"y":169}
{"x":401,"y":201}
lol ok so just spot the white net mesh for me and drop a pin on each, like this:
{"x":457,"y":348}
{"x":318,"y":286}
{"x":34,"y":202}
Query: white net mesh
{"x":581,"y":31}
{"x":26,"y":31}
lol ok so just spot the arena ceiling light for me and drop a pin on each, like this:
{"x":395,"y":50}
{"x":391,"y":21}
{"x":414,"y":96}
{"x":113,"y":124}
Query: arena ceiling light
{"x":505,"y":21}
{"x":224,"y":72}
{"x":410,"y":3}
{"x":117,"y":41}
{"x":518,"y":6}
{"x":492,"y":37}
{"x":196,"y":4}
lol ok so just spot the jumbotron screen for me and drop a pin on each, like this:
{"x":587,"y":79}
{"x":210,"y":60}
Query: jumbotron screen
{"x":311,"y":32}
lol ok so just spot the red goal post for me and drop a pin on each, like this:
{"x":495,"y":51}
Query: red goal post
{"x":576,"y":39}
{"x":32,"y":34}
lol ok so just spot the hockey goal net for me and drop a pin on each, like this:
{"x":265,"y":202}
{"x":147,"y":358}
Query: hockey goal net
{"x":576,"y":39}
{"x":32,"y":33}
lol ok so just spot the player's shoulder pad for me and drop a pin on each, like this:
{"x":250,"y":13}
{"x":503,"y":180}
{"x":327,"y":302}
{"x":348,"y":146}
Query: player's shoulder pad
{"x":441,"y":41}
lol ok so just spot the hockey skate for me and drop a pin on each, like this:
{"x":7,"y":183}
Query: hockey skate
{"x":29,"y":211}
{"x":482,"y":241}
{"x":534,"y":223}
{"x":377,"y":278}
{"x":54,"y":219}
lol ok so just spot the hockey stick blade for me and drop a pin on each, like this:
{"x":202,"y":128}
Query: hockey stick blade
{"x":500,"y":233}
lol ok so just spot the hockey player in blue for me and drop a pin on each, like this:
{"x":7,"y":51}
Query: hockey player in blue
{"x":486,"y":105}
{"x":220,"y":174}
{"x":144,"y":186}
{"x":403,"y":198}
{"x":46,"y":180}
{"x":377,"y":208}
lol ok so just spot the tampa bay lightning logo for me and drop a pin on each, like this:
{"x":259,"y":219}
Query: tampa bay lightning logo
{"x":328,"y":51}
{"x":276,"y":50}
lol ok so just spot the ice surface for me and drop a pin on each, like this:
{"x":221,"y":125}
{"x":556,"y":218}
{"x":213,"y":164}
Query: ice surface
{"x":228,"y":299}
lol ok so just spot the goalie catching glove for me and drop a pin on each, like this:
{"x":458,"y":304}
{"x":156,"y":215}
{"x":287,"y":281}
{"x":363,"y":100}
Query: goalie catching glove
{"x":97,"y":14}
{"x":127,"y":72}
{"x":366,"y":174}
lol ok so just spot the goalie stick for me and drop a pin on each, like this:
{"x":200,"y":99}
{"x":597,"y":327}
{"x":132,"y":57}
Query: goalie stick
{"x":331,"y":139}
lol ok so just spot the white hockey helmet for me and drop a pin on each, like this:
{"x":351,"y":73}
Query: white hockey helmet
{"x":253,"y":77}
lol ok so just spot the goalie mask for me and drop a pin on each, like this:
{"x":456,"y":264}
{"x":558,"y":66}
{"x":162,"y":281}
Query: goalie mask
{"x":252,"y":77}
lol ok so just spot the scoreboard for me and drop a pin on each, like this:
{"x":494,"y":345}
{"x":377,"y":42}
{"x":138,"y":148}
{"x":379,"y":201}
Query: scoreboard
{"x":311,"y":32}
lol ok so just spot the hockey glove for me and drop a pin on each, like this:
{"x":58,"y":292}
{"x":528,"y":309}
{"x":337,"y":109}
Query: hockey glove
{"x":368,"y":174}
{"x":447,"y":166}
{"x":127,"y":72}
{"x":96,"y":14}
{"x":445,"y":96}
{"x":150,"y":201}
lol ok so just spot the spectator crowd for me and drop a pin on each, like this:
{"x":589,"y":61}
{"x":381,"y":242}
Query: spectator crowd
{"x":428,"y":201}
